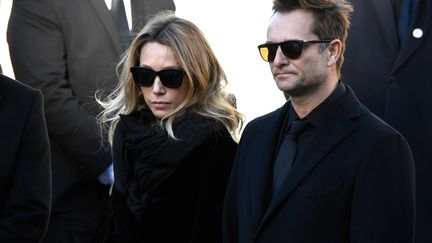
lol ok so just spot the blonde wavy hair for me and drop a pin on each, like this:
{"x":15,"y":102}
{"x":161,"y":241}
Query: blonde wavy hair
{"x":205,"y":75}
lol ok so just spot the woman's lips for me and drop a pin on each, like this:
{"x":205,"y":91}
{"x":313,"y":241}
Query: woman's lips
{"x":160,"y":104}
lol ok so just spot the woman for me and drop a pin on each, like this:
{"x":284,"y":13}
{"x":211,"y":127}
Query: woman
{"x":172,"y":129}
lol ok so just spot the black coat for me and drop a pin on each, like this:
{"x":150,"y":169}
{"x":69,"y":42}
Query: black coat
{"x":395,"y":84}
{"x":167,"y":190}
{"x":353,"y":182}
{"x":25,"y":174}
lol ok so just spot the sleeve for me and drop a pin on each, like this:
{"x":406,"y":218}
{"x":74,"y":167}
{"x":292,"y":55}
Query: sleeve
{"x":230,"y":211}
{"x":232,"y":222}
{"x":121,"y":171}
{"x":122,"y":223}
{"x":38,"y":55}
{"x":26,"y":213}
{"x":208,"y":222}
{"x":383,"y":203}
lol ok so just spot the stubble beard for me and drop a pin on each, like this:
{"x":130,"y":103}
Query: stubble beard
{"x":300,"y":88}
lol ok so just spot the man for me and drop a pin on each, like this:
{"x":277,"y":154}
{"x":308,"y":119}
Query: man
{"x":352,"y":176}
{"x":388,"y":67}
{"x":68,"y":50}
{"x":25,"y":174}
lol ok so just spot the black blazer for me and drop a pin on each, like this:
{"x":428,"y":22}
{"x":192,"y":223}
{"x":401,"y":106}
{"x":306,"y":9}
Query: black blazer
{"x":25,"y":174}
{"x":395,"y":84}
{"x":69,"y":49}
{"x":353,"y":182}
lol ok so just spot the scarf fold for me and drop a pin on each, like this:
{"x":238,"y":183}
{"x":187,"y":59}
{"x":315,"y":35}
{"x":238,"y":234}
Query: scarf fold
{"x":150,"y":157}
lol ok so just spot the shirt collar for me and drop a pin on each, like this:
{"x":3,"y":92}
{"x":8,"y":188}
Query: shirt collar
{"x":316,"y":115}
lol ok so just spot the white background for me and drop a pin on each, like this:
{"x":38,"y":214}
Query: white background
{"x":234,"y":29}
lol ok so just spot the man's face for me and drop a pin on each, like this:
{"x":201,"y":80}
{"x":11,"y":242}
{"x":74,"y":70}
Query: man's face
{"x":306,"y":74}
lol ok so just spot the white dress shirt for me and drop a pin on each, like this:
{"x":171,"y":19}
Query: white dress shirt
{"x":128,"y":9}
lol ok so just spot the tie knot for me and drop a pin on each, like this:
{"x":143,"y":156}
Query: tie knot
{"x":297,"y":127}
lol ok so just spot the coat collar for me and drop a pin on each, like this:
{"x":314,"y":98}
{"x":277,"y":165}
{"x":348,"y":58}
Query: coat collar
{"x":335,"y":127}
{"x":383,"y":9}
{"x":421,"y":22}
{"x":108,"y":22}
{"x":3,"y":87}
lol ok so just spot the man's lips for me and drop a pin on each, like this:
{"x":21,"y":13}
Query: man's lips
{"x":281,"y":74}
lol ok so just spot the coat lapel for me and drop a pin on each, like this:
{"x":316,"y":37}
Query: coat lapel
{"x":421,"y":22}
{"x":261,"y":161}
{"x":383,"y":9}
{"x":108,"y":22}
{"x":1,"y":89}
{"x":333,"y":129}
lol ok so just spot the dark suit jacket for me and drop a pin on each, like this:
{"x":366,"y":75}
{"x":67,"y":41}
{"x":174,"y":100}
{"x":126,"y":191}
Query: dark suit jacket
{"x":353,"y":182}
{"x":396,"y":85}
{"x":69,"y":49}
{"x":25,"y":169}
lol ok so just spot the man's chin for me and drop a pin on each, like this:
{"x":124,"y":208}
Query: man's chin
{"x":286,"y":87}
{"x":295,"y":91}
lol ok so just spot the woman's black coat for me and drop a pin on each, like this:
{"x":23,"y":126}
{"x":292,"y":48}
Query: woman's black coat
{"x":169,"y":190}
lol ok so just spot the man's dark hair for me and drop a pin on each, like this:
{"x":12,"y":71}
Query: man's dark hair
{"x":332,"y":18}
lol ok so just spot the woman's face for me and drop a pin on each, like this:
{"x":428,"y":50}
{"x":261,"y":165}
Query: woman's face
{"x":160,"y":99}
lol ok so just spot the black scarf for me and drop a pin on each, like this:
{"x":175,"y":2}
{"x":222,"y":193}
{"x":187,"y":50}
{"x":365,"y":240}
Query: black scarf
{"x":146,"y":172}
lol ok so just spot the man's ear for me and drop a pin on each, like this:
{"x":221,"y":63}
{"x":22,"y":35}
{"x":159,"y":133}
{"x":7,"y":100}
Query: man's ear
{"x":334,"y":49}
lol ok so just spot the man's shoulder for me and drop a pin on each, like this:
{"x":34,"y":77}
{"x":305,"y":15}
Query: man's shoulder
{"x":15,"y":89}
{"x":269,"y":117}
{"x":375,"y":126}
{"x":264,"y":124}
{"x":366,"y":123}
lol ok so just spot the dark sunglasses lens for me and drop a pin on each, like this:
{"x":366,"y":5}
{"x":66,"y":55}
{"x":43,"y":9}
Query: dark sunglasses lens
{"x":171,"y":78}
{"x":143,"y":76}
{"x":291,"y":49}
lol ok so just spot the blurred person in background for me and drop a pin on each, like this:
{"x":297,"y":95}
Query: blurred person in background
{"x":388,"y":62}
{"x":69,"y":49}
{"x":25,"y":174}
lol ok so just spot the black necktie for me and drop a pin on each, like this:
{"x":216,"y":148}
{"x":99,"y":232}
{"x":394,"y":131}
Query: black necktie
{"x":118,"y":14}
{"x":287,"y":153}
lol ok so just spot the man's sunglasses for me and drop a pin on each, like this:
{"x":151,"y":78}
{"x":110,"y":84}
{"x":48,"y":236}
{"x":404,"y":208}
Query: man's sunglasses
{"x":290,"y":48}
{"x":170,"y":78}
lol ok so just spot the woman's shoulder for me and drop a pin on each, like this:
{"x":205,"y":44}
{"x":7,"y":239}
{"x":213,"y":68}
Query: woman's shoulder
{"x":193,"y":126}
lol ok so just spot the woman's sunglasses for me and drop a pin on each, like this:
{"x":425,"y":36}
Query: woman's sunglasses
{"x":170,"y":78}
{"x":290,"y":48}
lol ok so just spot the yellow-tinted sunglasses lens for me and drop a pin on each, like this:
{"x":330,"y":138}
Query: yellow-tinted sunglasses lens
{"x":264,"y":52}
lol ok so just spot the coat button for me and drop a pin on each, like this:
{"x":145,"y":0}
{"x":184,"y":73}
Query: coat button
{"x":417,"y":33}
